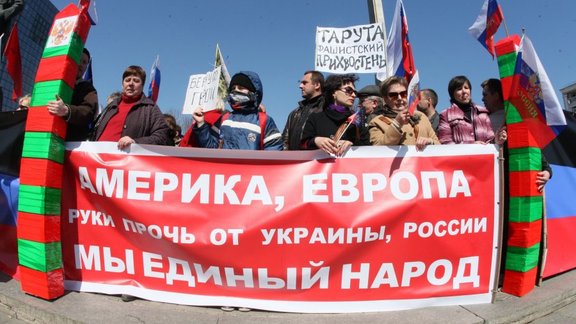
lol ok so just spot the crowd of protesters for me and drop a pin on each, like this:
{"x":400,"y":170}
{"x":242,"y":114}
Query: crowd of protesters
{"x":327,"y":117}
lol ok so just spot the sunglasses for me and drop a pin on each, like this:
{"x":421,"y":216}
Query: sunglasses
{"x":348,"y":90}
{"x":394,"y":95}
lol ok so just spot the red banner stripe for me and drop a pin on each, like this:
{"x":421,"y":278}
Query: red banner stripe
{"x":523,"y":184}
{"x":524,"y":234}
{"x":60,"y":67}
{"x":41,"y":172}
{"x":507,"y":45}
{"x":519,"y":136}
{"x":38,"y":228}
{"x":48,"y":285}
{"x":519,"y":283}
{"x":40,"y":120}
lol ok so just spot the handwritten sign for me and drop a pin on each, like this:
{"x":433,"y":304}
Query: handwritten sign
{"x":202,"y":91}
{"x":356,"y":49}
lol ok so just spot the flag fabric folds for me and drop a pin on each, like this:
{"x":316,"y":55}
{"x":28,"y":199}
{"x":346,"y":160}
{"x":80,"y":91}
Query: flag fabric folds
{"x":486,"y":24}
{"x":533,"y":95}
{"x":92,"y":13}
{"x":561,"y":212}
{"x":14,"y":62}
{"x":399,"y":51}
{"x":224,"y":74}
{"x":88,"y":73}
{"x":154,"y":87}
{"x":413,"y":93}
{"x":12,"y":125}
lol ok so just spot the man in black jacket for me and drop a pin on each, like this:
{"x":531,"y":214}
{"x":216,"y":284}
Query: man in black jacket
{"x":311,"y":86}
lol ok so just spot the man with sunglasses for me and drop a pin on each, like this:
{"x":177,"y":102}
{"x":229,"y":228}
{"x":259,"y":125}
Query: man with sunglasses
{"x":311,"y":87}
{"x":396,"y":126}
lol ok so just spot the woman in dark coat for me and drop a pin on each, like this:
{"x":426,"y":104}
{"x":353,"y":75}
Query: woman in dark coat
{"x":333,"y":129}
{"x":134,"y":118}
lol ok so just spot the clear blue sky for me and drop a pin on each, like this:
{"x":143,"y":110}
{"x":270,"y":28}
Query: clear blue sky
{"x":276,"y":39}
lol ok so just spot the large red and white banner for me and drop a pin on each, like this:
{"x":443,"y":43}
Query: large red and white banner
{"x":383,"y":228}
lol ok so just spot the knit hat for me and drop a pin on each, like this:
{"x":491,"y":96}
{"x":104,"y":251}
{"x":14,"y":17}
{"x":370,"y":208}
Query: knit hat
{"x":242,"y":80}
{"x":369,"y":90}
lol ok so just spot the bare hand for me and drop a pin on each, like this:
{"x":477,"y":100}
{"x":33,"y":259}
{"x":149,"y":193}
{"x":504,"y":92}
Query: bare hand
{"x":422,"y":142}
{"x":343,"y":146}
{"x":402,"y":117}
{"x":326,"y":144}
{"x":541,"y":178}
{"x":198,"y":116}
{"x":58,"y":107}
{"x":125,"y":142}
{"x":501,"y":136}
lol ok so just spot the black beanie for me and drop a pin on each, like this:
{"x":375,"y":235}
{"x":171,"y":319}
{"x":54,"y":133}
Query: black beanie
{"x":242,"y":80}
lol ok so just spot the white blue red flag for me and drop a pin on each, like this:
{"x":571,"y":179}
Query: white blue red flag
{"x":88,"y":73}
{"x":154,"y":87}
{"x":486,"y":24}
{"x":399,"y":51}
{"x":534,"y":97}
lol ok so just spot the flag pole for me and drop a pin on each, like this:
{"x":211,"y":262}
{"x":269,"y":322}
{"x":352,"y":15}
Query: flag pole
{"x":505,"y":26}
{"x":376,"y":14}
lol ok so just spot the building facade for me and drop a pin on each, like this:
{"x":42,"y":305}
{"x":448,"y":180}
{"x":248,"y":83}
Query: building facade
{"x":34,"y":24}
{"x":569,"y":96}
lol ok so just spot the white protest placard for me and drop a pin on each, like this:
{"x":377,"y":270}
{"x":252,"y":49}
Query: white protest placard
{"x":202,"y":91}
{"x":356,"y":49}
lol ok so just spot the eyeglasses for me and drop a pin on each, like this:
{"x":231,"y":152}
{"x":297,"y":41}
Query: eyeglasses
{"x":394,"y":95}
{"x":348,"y":90}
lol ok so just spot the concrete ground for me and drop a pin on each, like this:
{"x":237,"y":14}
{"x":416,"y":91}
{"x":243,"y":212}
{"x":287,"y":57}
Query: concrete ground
{"x":554,"y":298}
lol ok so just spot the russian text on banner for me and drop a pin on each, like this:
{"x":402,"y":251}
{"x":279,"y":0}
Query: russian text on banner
{"x":286,"y":232}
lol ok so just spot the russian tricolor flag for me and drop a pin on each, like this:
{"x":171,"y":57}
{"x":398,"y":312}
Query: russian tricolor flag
{"x":399,"y":51}
{"x":486,"y":25}
{"x":154,"y":87}
{"x":399,"y":55}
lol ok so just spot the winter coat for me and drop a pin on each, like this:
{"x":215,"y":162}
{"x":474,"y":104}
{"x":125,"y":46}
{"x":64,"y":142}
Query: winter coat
{"x":83,"y":110}
{"x":241,"y":128}
{"x":382,"y":132}
{"x":144,"y":123}
{"x":325,"y":124}
{"x":456,"y":128}
{"x":292,"y":134}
